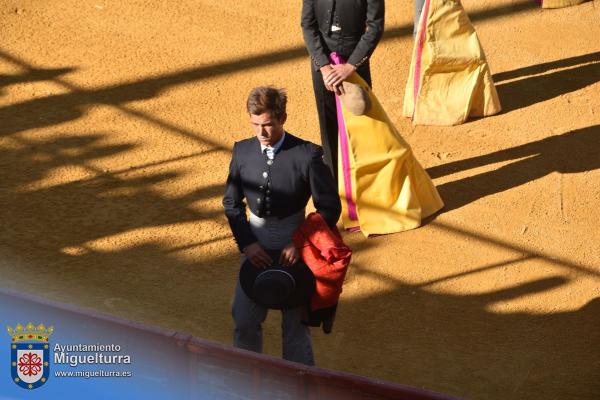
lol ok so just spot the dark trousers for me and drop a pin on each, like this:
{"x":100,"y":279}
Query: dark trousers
{"x":328,"y":115}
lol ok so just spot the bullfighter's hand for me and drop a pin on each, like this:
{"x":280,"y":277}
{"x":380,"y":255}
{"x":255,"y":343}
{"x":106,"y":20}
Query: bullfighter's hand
{"x":339,"y":74}
{"x":289,"y":255}
{"x":339,"y":89}
{"x":257,"y":256}
{"x":325,"y":71}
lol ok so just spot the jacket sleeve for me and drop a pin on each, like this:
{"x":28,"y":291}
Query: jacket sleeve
{"x":235,"y":208}
{"x":369,"y":40}
{"x":312,"y":35}
{"x":323,"y":187}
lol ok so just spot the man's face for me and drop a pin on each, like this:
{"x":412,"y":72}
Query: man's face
{"x":268,"y":129}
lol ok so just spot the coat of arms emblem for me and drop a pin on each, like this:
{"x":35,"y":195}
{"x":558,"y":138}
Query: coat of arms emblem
{"x":30,"y":355}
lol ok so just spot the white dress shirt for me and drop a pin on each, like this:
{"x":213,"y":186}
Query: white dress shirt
{"x":271,"y":150}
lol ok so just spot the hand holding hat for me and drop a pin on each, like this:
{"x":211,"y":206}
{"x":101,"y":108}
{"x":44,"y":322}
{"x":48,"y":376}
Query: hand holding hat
{"x":257,"y":255}
{"x":277,"y":286}
{"x":289,"y":255}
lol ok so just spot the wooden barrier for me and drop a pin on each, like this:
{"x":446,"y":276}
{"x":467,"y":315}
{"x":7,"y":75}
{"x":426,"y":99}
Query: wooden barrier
{"x":202,"y":369}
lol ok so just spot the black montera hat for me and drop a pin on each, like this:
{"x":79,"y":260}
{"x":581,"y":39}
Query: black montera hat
{"x":277,"y":287}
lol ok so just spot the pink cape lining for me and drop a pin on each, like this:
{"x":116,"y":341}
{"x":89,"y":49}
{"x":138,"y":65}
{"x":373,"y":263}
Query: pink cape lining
{"x":344,"y":149}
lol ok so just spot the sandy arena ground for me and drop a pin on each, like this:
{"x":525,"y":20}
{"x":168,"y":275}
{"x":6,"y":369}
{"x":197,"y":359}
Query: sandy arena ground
{"x":116,"y":124}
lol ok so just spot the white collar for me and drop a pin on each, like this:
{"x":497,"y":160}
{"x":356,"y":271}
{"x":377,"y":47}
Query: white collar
{"x":275,"y":147}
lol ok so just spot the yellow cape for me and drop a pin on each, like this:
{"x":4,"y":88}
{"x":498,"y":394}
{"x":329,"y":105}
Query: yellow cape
{"x":383,"y":187}
{"x":449,"y":79}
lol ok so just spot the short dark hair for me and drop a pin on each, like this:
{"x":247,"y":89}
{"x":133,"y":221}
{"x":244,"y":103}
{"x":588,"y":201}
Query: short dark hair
{"x":267,"y":99}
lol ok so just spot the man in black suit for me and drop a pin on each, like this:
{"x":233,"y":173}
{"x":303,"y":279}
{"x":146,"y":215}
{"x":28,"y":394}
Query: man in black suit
{"x":276,"y":173}
{"x":351,"y":28}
